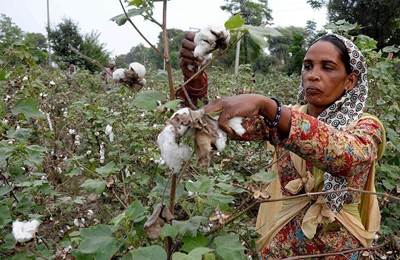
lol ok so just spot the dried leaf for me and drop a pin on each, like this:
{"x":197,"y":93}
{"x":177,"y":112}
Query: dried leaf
{"x":161,"y":214}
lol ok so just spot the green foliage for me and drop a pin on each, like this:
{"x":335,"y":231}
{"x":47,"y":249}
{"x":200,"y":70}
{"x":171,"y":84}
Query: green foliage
{"x":66,"y":35}
{"x":379,"y":19}
{"x":57,"y":180}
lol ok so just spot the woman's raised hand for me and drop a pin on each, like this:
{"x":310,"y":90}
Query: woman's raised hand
{"x":187,"y":59}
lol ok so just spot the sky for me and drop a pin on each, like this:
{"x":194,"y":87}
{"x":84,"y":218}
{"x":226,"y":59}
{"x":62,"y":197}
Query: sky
{"x":94,"y":15}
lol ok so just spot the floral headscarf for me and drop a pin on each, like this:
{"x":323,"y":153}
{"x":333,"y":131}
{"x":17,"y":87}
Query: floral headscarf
{"x":345,"y":110}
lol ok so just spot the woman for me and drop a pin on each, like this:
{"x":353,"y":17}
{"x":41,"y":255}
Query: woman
{"x":326,"y":143}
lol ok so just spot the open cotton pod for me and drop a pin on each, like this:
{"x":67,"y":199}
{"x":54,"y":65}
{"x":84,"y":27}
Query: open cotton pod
{"x":206,"y":133}
{"x":209,"y":39}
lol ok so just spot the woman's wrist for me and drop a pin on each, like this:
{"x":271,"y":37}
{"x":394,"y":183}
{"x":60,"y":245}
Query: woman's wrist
{"x":268,"y":109}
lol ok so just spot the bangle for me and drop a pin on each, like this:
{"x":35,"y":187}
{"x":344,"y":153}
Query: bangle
{"x":275,"y":122}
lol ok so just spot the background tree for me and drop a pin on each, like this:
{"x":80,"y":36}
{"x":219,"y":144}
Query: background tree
{"x":288,"y":49}
{"x":15,"y":42}
{"x":64,"y":35}
{"x":9,"y":32}
{"x":67,"y":35}
{"x":254,"y":13}
{"x":378,"y":19}
{"x":92,"y":48}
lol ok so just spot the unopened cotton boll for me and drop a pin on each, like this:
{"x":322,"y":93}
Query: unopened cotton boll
{"x":25,"y":231}
{"x":118,"y":74}
{"x":138,"y":68}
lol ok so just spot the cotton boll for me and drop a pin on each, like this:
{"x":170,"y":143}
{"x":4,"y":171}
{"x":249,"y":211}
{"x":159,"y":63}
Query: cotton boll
{"x":236,"y":124}
{"x":25,"y":231}
{"x":108,"y":129}
{"x":209,"y":39}
{"x":220,"y":141}
{"x":172,"y":153}
{"x":118,"y":74}
{"x":181,"y":128}
{"x":138,"y":68}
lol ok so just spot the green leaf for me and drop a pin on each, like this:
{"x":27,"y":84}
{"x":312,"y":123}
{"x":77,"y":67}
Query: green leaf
{"x":121,"y":19}
{"x":202,"y":185}
{"x":190,"y":242}
{"x":365,"y":42}
{"x":180,"y":256}
{"x":136,"y":2}
{"x":107,"y":169}
{"x":264,"y":177}
{"x":5,"y":215}
{"x":154,"y":252}
{"x":28,"y":107}
{"x":94,"y":185}
{"x":168,"y":231}
{"x":389,"y":186}
{"x":4,"y":75}
{"x":19,"y":134}
{"x":98,"y":240}
{"x":148,"y":99}
{"x":74,"y":172}
{"x":391,"y":48}
{"x":189,"y":226}
{"x":229,"y":247}
{"x":259,"y":34}
{"x":234,"y":22}
{"x":4,"y":190}
{"x":136,"y":212}
{"x":197,"y":253}
{"x":173,"y":104}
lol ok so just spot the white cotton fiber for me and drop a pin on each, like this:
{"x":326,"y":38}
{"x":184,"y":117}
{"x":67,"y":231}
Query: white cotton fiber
{"x":206,"y":40}
{"x":220,"y":141}
{"x":138,"y":68}
{"x":25,"y":231}
{"x":181,"y":129}
{"x":119,"y":74}
{"x":172,"y":153}
{"x":236,"y":124}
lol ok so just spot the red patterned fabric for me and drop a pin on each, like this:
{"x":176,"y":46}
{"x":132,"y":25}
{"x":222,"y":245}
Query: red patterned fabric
{"x":197,"y":89}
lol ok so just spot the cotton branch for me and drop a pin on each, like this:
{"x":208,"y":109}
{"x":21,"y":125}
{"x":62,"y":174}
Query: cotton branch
{"x":138,"y":31}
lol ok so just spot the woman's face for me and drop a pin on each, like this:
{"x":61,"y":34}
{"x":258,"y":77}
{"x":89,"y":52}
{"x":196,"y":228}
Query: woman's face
{"x":324,"y":75}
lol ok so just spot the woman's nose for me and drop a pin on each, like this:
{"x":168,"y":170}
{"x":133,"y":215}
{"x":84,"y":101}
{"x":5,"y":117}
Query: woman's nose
{"x":313,"y":75}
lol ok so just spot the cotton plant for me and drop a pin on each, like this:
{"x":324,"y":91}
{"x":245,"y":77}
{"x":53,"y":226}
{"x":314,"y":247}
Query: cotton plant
{"x":203,"y":128}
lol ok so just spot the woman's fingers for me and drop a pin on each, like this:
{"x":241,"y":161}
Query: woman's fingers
{"x":187,"y":44}
{"x":214,"y":106}
{"x":223,"y":122}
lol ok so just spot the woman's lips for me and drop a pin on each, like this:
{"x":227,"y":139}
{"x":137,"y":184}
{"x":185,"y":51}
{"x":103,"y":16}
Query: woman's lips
{"x":313,"y":91}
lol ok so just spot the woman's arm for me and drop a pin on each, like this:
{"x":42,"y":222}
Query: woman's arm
{"x":337,"y":152}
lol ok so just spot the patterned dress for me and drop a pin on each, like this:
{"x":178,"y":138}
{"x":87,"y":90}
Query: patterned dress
{"x":349,"y":153}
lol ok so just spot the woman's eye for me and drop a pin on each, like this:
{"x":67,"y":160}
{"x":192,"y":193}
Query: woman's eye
{"x":328,"y":68}
{"x":307,"y":66}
